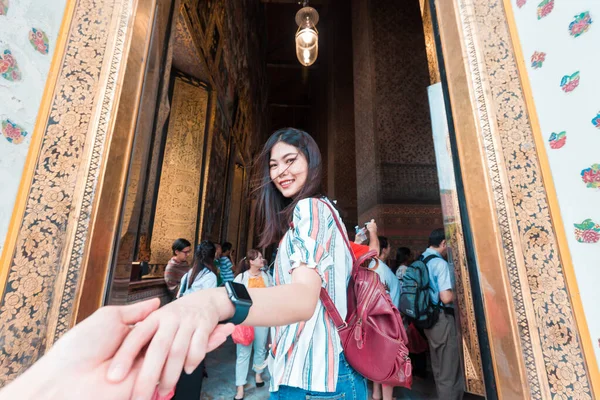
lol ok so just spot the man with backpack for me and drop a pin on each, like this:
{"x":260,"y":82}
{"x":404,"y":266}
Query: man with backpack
{"x":442,"y":335}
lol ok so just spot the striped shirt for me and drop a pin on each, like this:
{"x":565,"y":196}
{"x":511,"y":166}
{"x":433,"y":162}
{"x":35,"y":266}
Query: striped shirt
{"x":225,"y":269}
{"x":305,"y":355}
{"x":174,"y":271}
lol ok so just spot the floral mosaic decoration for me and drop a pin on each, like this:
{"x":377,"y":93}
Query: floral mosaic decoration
{"x":537,"y":59}
{"x":545,"y":8}
{"x":3,"y":7}
{"x":13,"y":132}
{"x":521,"y":3}
{"x":587,"y":232}
{"x":570,"y":82}
{"x":581,"y":24}
{"x":557,"y":140}
{"x":39,"y":40}
{"x":591,"y":176}
{"x":8,"y":67}
{"x":596,"y":120}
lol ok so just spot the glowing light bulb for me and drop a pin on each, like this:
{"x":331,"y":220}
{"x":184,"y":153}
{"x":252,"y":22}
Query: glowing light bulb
{"x":306,"y":55}
{"x":307,"y":36}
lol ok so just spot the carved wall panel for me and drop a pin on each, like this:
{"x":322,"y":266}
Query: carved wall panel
{"x":236,"y":207}
{"x":44,"y":265}
{"x":216,"y":176}
{"x":455,"y":238}
{"x":178,"y":196}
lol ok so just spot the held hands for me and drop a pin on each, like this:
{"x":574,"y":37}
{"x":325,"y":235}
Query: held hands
{"x":76,"y":366}
{"x":177,"y":337}
{"x":103,"y":356}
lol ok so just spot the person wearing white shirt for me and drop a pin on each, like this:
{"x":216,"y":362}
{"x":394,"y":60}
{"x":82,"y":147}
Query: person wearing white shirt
{"x":200,"y":277}
{"x":251,"y":274}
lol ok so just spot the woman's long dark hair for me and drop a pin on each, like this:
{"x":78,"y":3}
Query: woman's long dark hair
{"x":244,"y":264}
{"x":204,"y":257}
{"x":274,"y":212}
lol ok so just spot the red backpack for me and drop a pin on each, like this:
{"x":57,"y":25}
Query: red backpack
{"x":373,"y":335}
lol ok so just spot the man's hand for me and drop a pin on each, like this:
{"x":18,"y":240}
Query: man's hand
{"x":76,"y":366}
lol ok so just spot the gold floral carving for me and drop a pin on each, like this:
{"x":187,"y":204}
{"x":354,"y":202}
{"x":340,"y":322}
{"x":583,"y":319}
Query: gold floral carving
{"x":538,"y":290}
{"x":178,"y":195}
{"x":43,"y":277}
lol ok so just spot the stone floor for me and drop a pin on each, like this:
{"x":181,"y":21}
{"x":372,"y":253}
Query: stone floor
{"x":220,"y":366}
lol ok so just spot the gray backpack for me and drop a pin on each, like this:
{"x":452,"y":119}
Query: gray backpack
{"x":415,"y":299}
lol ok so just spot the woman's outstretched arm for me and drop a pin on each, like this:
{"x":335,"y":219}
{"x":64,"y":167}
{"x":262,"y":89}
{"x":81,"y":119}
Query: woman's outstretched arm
{"x":181,"y":333}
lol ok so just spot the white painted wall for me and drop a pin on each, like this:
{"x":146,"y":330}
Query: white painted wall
{"x":20,"y":100}
{"x":571,"y":112}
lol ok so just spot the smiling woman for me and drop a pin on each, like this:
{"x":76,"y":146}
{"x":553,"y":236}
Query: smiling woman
{"x":288,"y":158}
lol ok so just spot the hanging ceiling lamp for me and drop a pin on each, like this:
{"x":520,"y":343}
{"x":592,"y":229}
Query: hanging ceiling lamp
{"x":307,"y":36}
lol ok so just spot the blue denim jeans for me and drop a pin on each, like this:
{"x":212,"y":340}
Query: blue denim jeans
{"x":350,"y":386}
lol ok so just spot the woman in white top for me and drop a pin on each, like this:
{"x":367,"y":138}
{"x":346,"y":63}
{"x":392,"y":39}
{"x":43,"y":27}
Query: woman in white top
{"x":306,"y":357}
{"x":199,"y":278}
{"x":250,"y":274}
{"x":201,"y":275}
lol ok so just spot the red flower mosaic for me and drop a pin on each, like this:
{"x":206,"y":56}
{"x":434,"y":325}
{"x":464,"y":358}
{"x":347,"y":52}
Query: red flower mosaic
{"x":545,"y":8}
{"x":596,"y":121}
{"x":521,"y":3}
{"x":591,"y":176}
{"x":537,"y":59}
{"x":39,"y":40}
{"x":570,"y":82}
{"x":581,"y":24}
{"x":558,"y":140}
{"x":587,"y":232}
{"x":3,"y":7}
{"x":13,"y":132}
{"x":8,"y":67}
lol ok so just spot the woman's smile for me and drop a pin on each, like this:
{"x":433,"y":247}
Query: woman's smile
{"x":288,"y":169}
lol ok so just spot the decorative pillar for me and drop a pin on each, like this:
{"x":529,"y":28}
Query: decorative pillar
{"x":531,"y":303}
{"x":341,"y":155}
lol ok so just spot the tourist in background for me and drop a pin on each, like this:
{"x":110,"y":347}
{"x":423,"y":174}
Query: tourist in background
{"x":392,"y":286}
{"x":177,"y":266}
{"x":404,"y":257}
{"x":200,"y":277}
{"x":442,"y":337}
{"x":224,"y":263}
{"x":251,"y":275}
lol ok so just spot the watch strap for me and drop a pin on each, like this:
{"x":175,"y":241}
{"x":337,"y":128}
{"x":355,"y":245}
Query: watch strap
{"x":240,"y":315}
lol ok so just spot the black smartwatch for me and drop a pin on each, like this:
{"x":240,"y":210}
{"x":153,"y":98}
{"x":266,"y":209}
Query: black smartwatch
{"x":239,"y":296}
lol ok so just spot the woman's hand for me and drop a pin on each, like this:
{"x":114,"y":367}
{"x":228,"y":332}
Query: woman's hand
{"x":178,"y":337}
{"x":76,"y":366}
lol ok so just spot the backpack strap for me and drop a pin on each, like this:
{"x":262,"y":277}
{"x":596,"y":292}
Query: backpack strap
{"x":324,"y":296}
{"x":425,"y":261}
{"x":429,"y":258}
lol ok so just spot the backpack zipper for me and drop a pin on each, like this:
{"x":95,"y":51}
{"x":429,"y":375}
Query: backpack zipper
{"x":358,"y":333}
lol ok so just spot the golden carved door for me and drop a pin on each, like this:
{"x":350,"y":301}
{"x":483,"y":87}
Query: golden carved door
{"x":457,"y":256}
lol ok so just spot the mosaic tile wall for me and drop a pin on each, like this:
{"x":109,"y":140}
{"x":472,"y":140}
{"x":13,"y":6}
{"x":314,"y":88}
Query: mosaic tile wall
{"x":28,"y":31}
{"x":558,"y":40}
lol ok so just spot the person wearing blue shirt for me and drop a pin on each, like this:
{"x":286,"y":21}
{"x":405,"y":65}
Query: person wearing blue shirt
{"x":224,"y":263}
{"x":392,"y":286}
{"x":442,"y":337}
